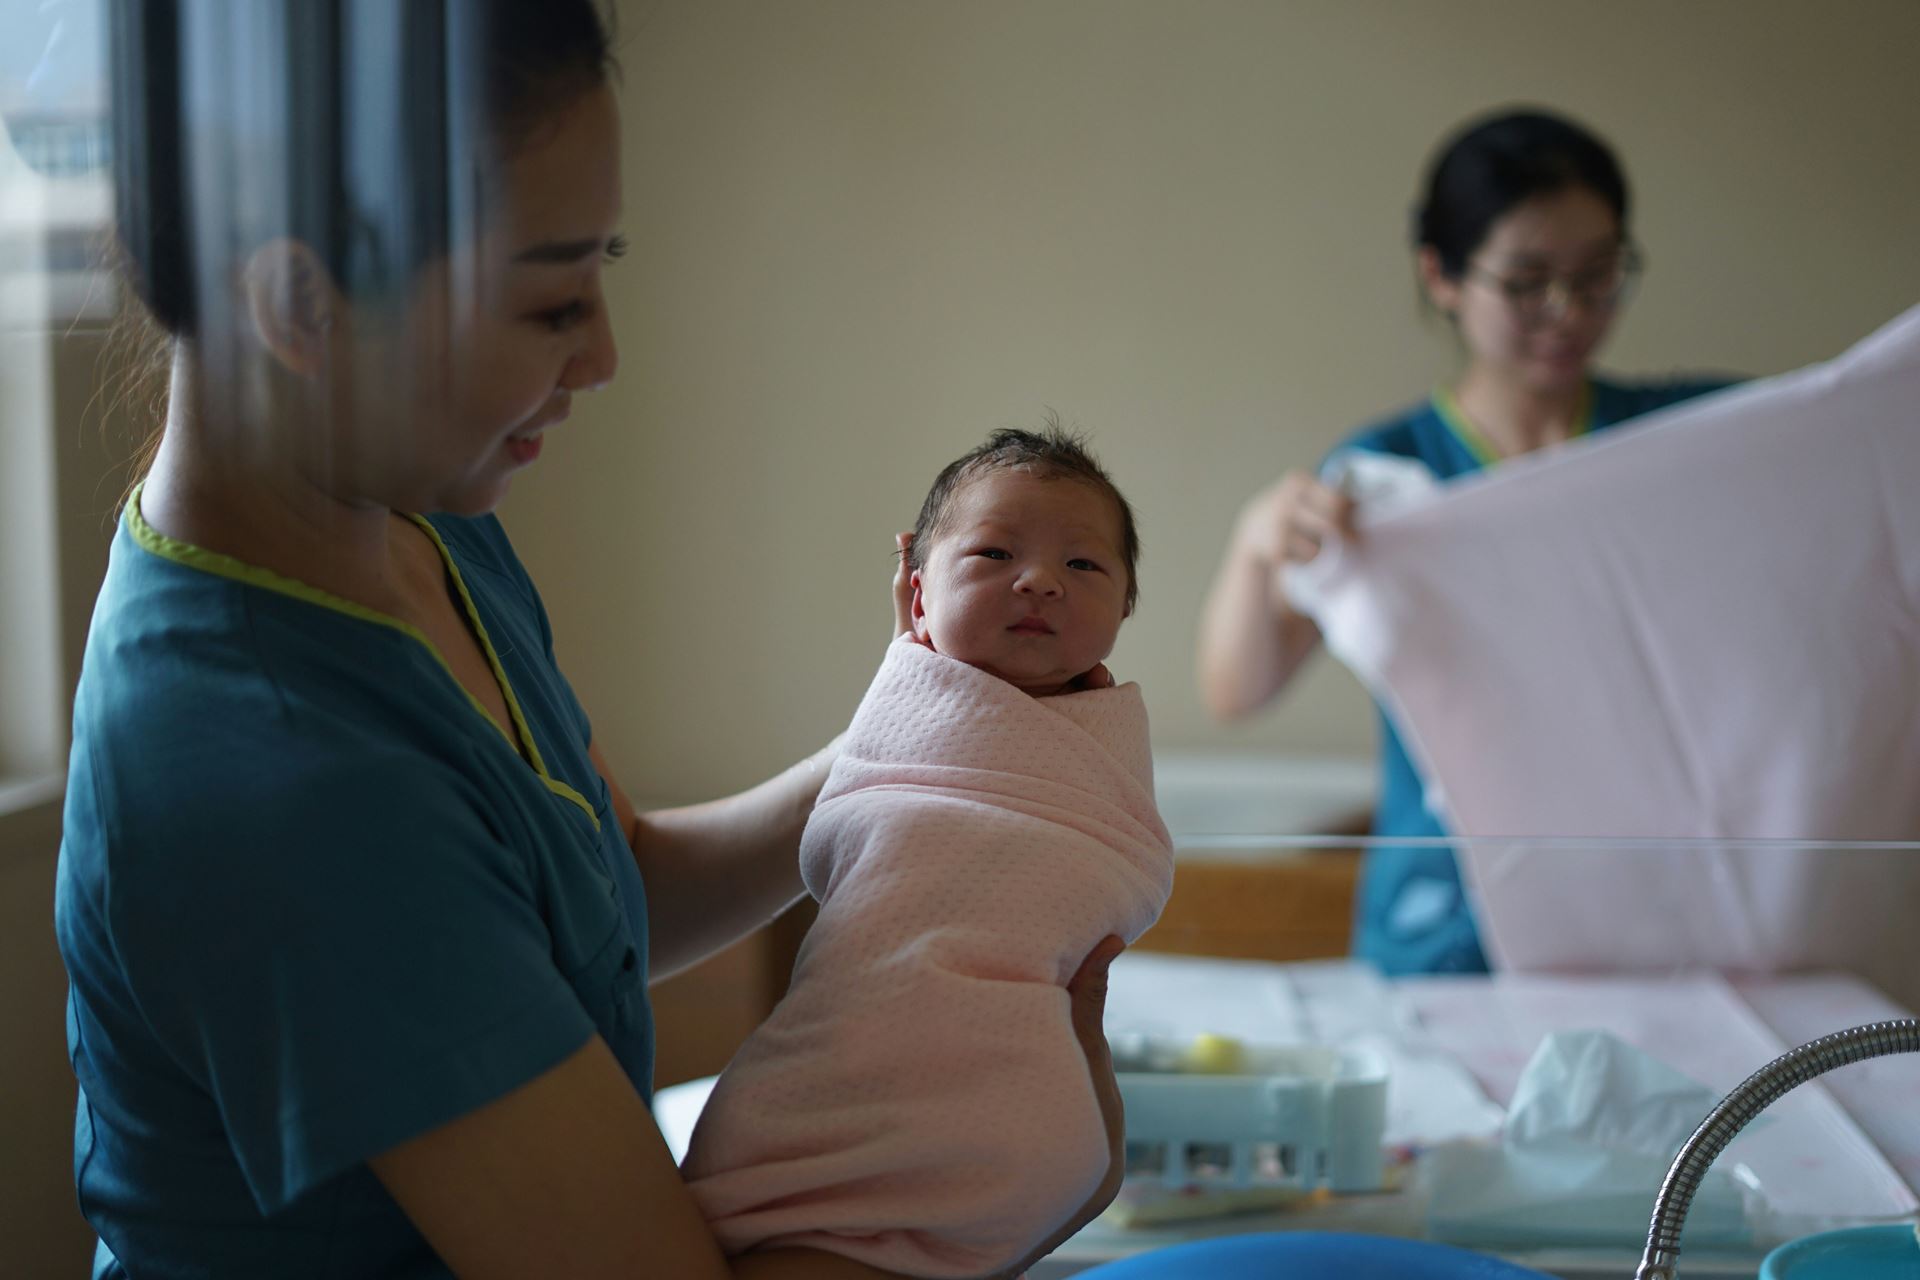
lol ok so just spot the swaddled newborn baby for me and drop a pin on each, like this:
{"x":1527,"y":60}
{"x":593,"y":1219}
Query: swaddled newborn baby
{"x":919,"y":1100}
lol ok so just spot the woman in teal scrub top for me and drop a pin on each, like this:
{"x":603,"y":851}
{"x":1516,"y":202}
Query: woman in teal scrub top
{"x":357,"y":920}
{"x":1522,"y":242}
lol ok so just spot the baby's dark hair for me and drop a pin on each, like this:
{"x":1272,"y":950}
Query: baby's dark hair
{"x":1050,"y":453}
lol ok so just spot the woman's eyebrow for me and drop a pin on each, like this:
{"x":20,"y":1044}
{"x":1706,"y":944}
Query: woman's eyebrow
{"x":560,"y":252}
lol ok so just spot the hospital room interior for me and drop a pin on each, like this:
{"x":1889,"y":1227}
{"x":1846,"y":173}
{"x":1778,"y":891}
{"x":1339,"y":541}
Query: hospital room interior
{"x":1647,"y":698}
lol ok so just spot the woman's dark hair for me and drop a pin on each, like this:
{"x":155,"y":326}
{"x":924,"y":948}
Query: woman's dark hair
{"x":358,"y":129}
{"x":1050,"y":453}
{"x":1499,"y":162}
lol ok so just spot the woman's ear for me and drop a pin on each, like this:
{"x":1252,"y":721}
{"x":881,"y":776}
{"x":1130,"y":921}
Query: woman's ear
{"x":293,"y":303}
{"x":1442,"y":291}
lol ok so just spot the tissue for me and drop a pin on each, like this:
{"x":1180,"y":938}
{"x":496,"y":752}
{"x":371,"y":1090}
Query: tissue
{"x":1592,"y":1128}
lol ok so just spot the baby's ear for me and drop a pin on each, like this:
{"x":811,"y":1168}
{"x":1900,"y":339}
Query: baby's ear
{"x":918,"y":610}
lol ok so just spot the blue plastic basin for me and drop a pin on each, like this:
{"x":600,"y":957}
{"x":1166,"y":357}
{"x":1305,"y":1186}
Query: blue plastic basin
{"x":1290,"y":1255}
{"x":1858,"y":1253}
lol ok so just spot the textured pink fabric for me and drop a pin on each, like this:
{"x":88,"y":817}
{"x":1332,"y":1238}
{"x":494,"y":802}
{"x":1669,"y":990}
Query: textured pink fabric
{"x":918,"y":1100}
{"x":1705,"y":626}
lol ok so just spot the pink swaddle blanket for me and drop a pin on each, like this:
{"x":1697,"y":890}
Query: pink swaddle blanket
{"x":1706,"y":626}
{"x":918,"y":1100}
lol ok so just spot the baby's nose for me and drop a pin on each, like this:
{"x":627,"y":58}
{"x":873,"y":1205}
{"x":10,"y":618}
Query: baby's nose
{"x":1038,"y":581}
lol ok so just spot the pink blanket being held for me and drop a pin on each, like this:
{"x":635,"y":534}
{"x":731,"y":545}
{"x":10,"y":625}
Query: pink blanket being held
{"x":918,"y":1100}
{"x":1707,"y":626}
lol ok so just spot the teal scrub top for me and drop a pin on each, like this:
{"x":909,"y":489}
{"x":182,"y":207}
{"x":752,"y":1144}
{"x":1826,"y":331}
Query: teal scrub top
{"x":313,"y":902}
{"x":1411,"y":912}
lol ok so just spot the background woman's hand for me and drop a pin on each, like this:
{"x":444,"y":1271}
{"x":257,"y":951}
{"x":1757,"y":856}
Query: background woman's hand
{"x":1088,"y":992}
{"x":1290,"y":520}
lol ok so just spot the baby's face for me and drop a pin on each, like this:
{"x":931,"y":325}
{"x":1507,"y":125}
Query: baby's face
{"x":1027,"y":581}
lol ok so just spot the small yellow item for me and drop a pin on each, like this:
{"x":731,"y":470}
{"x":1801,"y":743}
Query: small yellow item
{"x":1214,"y":1055}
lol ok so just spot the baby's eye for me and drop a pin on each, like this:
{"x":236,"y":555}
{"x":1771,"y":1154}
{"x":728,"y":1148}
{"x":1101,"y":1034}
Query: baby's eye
{"x":561,"y":319}
{"x":1081,"y":562}
{"x":993,"y":553}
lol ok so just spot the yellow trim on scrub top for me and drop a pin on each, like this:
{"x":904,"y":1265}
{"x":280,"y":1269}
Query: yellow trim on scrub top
{"x":1477,"y":444}
{"x":225,"y":566}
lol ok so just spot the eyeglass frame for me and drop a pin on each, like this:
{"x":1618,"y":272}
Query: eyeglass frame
{"x":1628,"y":264}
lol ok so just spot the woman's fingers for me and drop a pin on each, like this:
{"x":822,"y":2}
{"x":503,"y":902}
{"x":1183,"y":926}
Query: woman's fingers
{"x":902,"y":585}
{"x":1088,"y":993}
{"x":1088,"y":987}
{"x":1328,"y":506}
{"x":1317,"y":515}
{"x":1302,"y":548}
{"x":1292,"y":519}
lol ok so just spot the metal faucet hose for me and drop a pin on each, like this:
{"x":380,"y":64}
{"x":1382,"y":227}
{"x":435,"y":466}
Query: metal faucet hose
{"x":1748,"y":1099}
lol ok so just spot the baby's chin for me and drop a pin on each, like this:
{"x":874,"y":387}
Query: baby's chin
{"x":1040,"y":684}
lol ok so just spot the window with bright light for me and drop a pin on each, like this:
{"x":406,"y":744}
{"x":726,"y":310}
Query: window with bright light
{"x":55,"y":215}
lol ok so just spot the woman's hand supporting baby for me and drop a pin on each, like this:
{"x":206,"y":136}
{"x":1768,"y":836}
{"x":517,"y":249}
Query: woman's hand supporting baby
{"x":1088,"y":990}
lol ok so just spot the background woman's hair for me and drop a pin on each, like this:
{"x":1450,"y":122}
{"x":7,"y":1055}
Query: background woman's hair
{"x":358,"y":127}
{"x":1498,"y":162}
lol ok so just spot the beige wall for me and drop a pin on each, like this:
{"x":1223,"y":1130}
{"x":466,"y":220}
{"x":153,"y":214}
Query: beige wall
{"x":867,"y":231}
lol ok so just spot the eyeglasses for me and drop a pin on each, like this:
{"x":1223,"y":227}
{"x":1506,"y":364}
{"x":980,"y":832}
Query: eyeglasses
{"x":1537,"y":296}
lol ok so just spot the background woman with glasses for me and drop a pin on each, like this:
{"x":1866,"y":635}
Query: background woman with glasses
{"x":1522,"y":242}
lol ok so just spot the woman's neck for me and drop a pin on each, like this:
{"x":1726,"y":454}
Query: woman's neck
{"x":1516,"y":418}
{"x":219,"y":481}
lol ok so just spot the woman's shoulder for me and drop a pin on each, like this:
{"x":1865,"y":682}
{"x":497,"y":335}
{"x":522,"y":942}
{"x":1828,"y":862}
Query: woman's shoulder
{"x":481,"y":542}
{"x":1415,"y":433}
{"x":1401,"y":433}
{"x":1616,"y":398}
{"x":479,"y":546}
{"x":477,"y":539}
{"x":173,"y":642}
{"x":202,"y":694}
{"x":206,"y":744}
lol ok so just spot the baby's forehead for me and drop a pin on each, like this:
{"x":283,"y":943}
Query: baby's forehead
{"x":1028,"y":486}
{"x":1032,"y":496}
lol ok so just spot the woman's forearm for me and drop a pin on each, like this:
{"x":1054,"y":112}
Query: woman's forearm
{"x":717,"y":871}
{"x":1251,"y":641}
